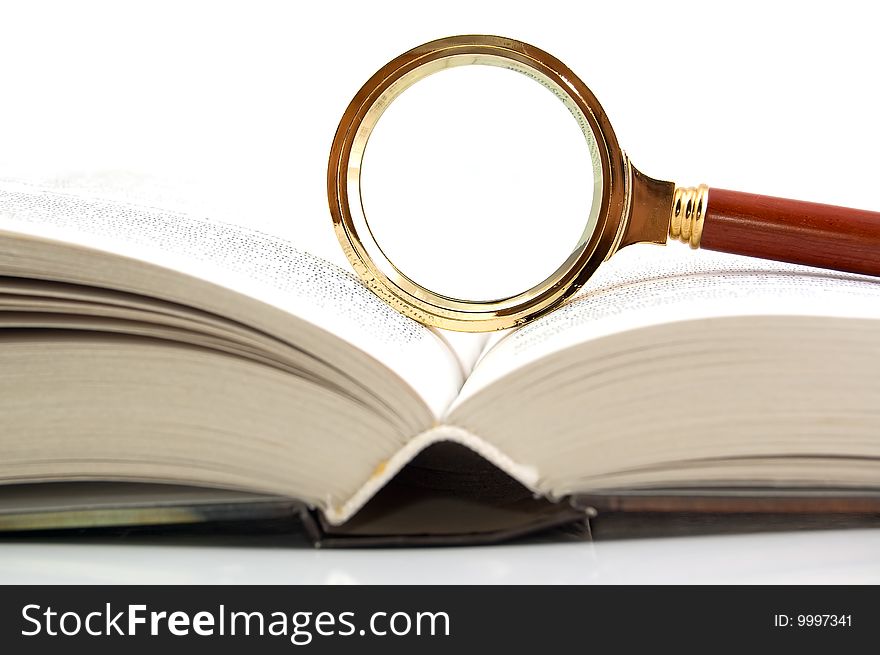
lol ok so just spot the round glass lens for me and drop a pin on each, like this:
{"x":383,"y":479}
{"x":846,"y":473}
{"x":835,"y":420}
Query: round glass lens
{"x":477,"y":183}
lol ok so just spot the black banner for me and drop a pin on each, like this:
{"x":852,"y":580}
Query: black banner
{"x":432,"y":619}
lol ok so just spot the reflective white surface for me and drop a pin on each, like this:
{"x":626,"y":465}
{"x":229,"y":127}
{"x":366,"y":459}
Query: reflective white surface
{"x":840,"y":556}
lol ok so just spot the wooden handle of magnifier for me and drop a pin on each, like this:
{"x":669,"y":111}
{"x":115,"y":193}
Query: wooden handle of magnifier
{"x":792,"y":231}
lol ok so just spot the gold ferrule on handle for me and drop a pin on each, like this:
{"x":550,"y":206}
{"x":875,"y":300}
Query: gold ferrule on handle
{"x":689,"y":206}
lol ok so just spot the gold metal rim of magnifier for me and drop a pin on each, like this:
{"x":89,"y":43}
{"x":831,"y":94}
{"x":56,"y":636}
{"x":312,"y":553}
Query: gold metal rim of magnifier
{"x":628,"y":207}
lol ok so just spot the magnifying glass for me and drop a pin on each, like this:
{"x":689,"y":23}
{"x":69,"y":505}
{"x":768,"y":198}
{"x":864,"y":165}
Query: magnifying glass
{"x":459,"y":210}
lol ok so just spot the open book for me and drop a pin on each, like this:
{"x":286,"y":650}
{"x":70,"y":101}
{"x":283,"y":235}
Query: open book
{"x":158,"y":367}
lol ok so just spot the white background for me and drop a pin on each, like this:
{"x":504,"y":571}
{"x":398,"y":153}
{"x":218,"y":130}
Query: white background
{"x":245,"y":97}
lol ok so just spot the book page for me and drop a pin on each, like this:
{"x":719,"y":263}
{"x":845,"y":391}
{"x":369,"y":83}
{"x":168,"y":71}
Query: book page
{"x":646,"y":285}
{"x":245,"y":261}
